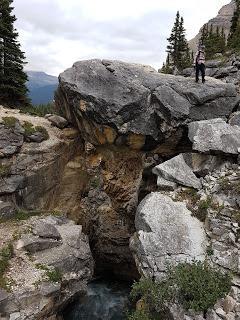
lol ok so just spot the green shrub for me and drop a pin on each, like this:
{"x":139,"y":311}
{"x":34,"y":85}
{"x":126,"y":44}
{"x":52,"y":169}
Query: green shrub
{"x":195,"y":285}
{"x":30,"y":129}
{"x":200,"y":286}
{"x":9,"y":122}
{"x":6,"y":253}
{"x":54,"y":275}
{"x":139,"y":315}
{"x":5,"y":170}
{"x":203,"y":206}
{"x":43,"y":131}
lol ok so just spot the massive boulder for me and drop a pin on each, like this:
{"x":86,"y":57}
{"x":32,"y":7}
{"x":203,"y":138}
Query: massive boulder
{"x":167,"y":233}
{"x":113,"y":102}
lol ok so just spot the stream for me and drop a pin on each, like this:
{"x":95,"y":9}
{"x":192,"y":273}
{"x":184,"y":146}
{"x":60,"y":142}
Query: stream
{"x":105,"y":300}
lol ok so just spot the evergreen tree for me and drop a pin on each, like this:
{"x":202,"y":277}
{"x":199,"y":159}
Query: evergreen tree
{"x":13,"y":91}
{"x":234,"y":35}
{"x":214,"y":41}
{"x":178,"y":51}
{"x":172,"y":48}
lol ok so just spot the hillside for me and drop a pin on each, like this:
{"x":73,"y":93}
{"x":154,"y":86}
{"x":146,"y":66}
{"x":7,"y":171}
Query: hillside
{"x":223,"y":19}
{"x":41,"y":87}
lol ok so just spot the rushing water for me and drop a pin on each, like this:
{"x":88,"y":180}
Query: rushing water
{"x":105,"y":300}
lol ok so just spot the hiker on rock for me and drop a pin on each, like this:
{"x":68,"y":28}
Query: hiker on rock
{"x":199,"y":63}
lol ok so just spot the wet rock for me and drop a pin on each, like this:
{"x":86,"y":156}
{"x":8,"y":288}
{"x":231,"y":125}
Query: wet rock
{"x":166,"y":233}
{"x":214,"y":136}
{"x":176,"y":170}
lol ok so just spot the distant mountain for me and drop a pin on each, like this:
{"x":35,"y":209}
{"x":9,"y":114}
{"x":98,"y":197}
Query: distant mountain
{"x":41,"y":87}
{"x":222,"y":20}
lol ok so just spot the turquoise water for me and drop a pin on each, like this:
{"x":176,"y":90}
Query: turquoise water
{"x":105,"y":300}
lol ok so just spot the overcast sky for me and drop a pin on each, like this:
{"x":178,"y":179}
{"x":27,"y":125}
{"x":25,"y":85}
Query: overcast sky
{"x":56,"y":33}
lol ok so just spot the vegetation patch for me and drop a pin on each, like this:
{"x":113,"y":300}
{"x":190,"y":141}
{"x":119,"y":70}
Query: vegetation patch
{"x":9,"y":122}
{"x":6,"y":253}
{"x":194,"y":285}
{"x":38,"y":110}
{"x":202,"y":209}
{"x":5,"y":170}
{"x":230,"y":186}
{"x":30,"y":130}
{"x":51,"y":274}
{"x":95,"y":182}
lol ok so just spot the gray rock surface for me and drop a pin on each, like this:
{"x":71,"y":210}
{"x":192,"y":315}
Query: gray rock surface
{"x":12,"y":183}
{"x":234,"y":119}
{"x":57,"y":121}
{"x":214,"y":136}
{"x":46,"y":230}
{"x":177,"y":170}
{"x":111,"y":99}
{"x":166,"y":233}
{"x":34,"y":293}
{"x":34,"y":244}
{"x":7,"y":210}
{"x":11,"y":141}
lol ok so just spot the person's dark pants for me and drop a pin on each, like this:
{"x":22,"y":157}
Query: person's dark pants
{"x":200,"y":68}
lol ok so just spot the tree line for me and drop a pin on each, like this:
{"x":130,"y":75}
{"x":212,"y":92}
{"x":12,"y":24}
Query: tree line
{"x":213,"y":38}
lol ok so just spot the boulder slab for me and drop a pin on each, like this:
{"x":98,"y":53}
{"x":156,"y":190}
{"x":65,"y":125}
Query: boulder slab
{"x":214,"y":136}
{"x":166,"y":233}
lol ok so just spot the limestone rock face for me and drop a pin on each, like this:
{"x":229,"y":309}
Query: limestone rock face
{"x":113,"y":102}
{"x":215,"y":136}
{"x":166,"y":233}
{"x":42,"y":284}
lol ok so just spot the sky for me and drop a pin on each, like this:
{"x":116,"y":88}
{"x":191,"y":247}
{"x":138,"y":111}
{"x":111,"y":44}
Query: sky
{"x":56,"y":33}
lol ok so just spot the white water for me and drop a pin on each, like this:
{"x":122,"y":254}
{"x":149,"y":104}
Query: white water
{"x":105,"y":300}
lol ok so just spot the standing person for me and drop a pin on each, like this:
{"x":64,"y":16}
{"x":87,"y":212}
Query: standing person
{"x":199,"y":63}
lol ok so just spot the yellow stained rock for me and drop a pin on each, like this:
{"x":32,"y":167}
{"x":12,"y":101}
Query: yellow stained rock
{"x":136,"y":141}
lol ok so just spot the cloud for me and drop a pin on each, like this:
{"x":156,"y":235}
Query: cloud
{"x":54,"y":34}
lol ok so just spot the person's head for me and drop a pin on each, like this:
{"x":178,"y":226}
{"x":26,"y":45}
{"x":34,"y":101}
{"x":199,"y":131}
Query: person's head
{"x":201,"y":47}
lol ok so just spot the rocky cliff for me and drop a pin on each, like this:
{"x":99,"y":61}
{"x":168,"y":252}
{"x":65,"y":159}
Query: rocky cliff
{"x":222,"y":20}
{"x":128,"y":120}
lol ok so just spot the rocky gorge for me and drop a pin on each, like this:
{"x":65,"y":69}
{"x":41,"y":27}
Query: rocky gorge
{"x":139,"y":169}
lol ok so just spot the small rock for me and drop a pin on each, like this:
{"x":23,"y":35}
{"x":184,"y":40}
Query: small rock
{"x":220,"y":312}
{"x":58,"y":121}
{"x":46,"y":230}
{"x":34,"y":244}
{"x":229,"y":304}
{"x":7,"y":210}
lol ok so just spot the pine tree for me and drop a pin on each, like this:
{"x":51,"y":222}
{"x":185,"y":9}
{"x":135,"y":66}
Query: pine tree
{"x":172,"y":48}
{"x":214,"y":41}
{"x":13,"y":91}
{"x":178,"y":51}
